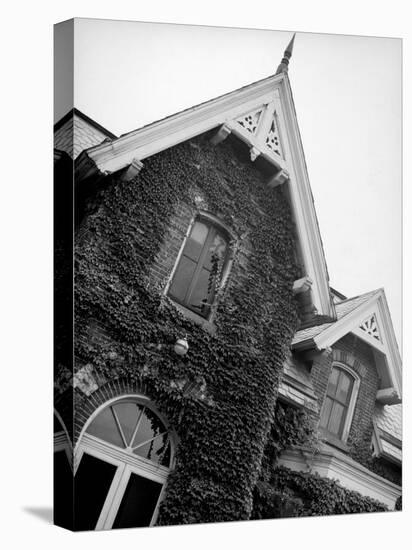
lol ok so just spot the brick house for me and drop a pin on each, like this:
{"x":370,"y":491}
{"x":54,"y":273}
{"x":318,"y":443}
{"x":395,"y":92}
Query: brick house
{"x":201,"y":298}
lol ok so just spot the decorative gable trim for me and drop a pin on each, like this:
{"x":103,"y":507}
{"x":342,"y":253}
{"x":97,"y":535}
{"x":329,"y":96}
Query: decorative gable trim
{"x":275,"y":137}
{"x":385,"y":349}
{"x":370,"y":327}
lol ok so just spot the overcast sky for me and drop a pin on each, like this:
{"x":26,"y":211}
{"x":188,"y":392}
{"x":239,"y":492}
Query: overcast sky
{"x":347,"y":93}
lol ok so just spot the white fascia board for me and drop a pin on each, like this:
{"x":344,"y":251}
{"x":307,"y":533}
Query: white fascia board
{"x":302,"y":203}
{"x":350,"y":323}
{"x":155,"y":137}
{"x":149,"y":140}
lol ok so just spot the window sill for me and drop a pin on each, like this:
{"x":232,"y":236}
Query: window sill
{"x":206,"y":324}
{"x":334,"y":441}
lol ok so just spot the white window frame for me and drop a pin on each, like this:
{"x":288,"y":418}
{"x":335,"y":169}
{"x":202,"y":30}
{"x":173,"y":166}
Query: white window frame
{"x":125,"y":461}
{"x":211,"y":220}
{"x":352,"y":403}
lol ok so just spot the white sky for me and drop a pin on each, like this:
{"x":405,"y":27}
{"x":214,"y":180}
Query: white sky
{"x":347,"y":93}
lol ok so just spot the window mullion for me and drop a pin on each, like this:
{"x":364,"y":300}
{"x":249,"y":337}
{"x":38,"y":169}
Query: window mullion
{"x":119,"y":427}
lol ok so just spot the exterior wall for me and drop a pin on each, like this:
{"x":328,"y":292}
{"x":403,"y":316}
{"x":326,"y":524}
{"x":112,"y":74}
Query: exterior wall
{"x":356,"y":354}
{"x":126,"y":248}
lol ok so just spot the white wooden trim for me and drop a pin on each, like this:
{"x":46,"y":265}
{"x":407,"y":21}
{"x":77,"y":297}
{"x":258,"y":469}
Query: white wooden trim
{"x":302,"y":202}
{"x":126,"y":463}
{"x":138,"y":398}
{"x":353,"y":397}
{"x":333,"y":464}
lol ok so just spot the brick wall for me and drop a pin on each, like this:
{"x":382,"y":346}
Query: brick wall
{"x":127,"y":244}
{"x":356,"y":354}
{"x":159,"y":271}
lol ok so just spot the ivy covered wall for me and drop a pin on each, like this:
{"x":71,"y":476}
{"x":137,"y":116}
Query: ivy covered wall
{"x":281,"y":492}
{"x":125,"y":327}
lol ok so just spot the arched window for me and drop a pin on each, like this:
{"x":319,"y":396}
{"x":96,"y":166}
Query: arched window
{"x":338,"y":406}
{"x":122,"y":464}
{"x":201,"y":267}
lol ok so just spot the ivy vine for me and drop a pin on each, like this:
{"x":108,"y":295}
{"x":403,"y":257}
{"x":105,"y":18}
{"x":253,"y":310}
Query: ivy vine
{"x":281,"y":492}
{"x":125,"y":326}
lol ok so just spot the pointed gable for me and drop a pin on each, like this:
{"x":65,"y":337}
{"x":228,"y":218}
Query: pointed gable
{"x":367,"y":317}
{"x":261,"y":115}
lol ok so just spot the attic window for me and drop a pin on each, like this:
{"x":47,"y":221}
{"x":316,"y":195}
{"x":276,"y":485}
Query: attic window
{"x":199,"y":272}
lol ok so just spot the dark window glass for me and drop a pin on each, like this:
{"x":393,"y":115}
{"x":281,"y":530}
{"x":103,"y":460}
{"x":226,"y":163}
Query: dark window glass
{"x":138,"y":503}
{"x":91,"y":485}
{"x":200,"y":268}
{"x":336,"y":404}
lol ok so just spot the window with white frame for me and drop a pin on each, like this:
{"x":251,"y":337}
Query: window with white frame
{"x":121,"y":466}
{"x":201,"y":267}
{"x":339,"y":404}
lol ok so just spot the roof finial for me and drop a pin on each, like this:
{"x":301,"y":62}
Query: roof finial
{"x":283,"y":67}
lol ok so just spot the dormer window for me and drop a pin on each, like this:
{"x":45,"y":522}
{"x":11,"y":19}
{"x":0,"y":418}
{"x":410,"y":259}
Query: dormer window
{"x":201,"y":267}
{"x":338,"y":406}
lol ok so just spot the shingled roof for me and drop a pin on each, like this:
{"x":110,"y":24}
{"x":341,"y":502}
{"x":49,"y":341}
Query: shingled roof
{"x":388,"y":431}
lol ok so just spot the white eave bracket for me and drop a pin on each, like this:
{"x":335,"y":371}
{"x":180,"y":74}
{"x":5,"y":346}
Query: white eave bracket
{"x":388,"y":396}
{"x":132,"y":170}
{"x":302,"y":285}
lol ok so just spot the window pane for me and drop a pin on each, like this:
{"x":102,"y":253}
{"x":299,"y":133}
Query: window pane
{"x":196,"y":240}
{"x":104,"y":427}
{"x":91,"y":485}
{"x":333,"y":382}
{"x":138,"y":503}
{"x":336,"y":418}
{"x":199,"y":292}
{"x":157,"y":450}
{"x":199,"y":233}
{"x":149,"y":427}
{"x":217,"y":251}
{"x":127,"y":413}
{"x":327,"y":407}
{"x":344,"y":387}
{"x":182,"y":278}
